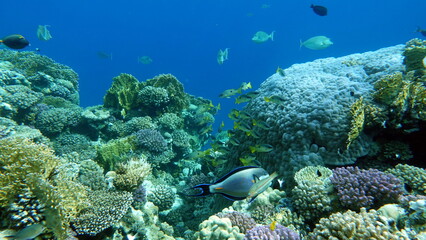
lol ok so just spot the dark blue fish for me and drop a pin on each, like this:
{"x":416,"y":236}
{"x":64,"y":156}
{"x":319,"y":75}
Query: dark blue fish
{"x":421,"y":31}
{"x":319,"y":10}
{"x":15,"y":41}
{"x":235,"y":185}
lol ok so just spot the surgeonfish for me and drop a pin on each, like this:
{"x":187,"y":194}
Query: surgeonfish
{"x":261,"y":37}
{"x":319,"y":10}
{"x":317,"y":43}
{"x":235,"y":185}
{"x":260,"y":185}
{"x":222,"y":56}
{"x":15,"y":41}
{"x":43,"y":33}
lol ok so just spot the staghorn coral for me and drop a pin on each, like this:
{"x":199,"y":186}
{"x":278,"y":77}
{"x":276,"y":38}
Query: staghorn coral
{"x":216,"y":228}
{"x":357,"y":114}
{"x":241,"y":220}
{"x":131,"y":174}
{"x":29,"y":168}
{"x":150,"y":140}
{"x":266,"y":232}
{"x":414,"y":177}
{"x":123,"y":94}
{"x":365,"y":188}
{"x":106,"y":209}
{"x":178,"y":98}
{"x":162,"y":196}
{"x":352,"y":225}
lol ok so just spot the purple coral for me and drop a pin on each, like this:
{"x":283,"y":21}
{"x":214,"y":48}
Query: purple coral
{"x":139,"y":195}
{"x":264,"y":233}
{"x":358,"y":188}
{"x":151,"y":140}
{"x":241,"y":220}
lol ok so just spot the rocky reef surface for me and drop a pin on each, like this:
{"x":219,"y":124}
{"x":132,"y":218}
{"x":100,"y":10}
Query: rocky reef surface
{"x":122,"y":170}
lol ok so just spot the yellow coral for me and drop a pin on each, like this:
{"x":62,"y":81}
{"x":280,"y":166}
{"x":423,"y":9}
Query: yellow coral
{"x":357,"y":123}
{"x":131,"y":174}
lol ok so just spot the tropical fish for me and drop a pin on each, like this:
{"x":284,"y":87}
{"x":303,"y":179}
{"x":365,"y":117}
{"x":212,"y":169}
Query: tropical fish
{"x":43,"y":33}
{"x":260,"y":185}
{"x":145,"y":60}
{"x":235,"y":185}
{"x":261,"y":148}
{"x":274,"y":99}
{"x":229,"y":92}
{"x":421,"y":31}
{"x":272,"y":226}
{"x":319,"y":10}
{"x":244,"y":126}
{"x":234,"y":114}
{"x":264,"y":6}
{"x":317,"y":43}
{"x":234,"y":141}
{"x":261,"y":37}
{"x":198,"y":154}
{"x":244,"y":86}
{"x":222,"y":56}
{"x":15,"y":41}
{"x":261,"y":124}
{"x":29,"y":232}
{"x":245,"y":115}
{"x":243,"y":98}
{"x":280,"y":71}
{"x":424,"y":62}
{"x":221,"y":126}
{"x":248,"y":160}
{"x":104,"y":55}
{"x":206,"y":130}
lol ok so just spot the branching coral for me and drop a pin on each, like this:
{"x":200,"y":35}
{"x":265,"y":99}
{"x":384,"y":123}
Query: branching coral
{"x":163,"y":197}
{"x":131,"y":174}
{"x":414,"y":177}
{"x":352,"y":225}
{"x":241,"y":220}
{"x":28,"y":167}
{"x":365,"y":188}
{"x":150,"y":140}
{"x":277,"y":232}
{"x":113,"y":152}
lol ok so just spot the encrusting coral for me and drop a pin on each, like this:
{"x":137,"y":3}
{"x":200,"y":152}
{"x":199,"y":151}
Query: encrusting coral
{"x":414,"y":177}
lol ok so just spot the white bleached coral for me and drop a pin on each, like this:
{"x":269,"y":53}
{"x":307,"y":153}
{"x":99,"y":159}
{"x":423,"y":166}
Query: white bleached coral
{"x":218,"y":228}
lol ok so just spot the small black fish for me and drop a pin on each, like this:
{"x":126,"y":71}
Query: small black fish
{"x":319,"y":10}
{"x":15,"y":41}
{"x":319,"y":173}
{"x":421,"y":31}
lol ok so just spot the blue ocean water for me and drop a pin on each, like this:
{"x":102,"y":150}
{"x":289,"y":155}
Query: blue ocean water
{"x":183,"y":37}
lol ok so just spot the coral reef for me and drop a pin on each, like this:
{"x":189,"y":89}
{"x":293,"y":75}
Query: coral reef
{"x":352,"y":225}
{"x":106,"y":209}
{"x":365,"y":188}
{"x":412,"y":176}
{"x":151,"y":140}
{"x":162,"y":196}
{"x":53,"y":121}
{"x":278,"y":232}
{"x":216,"y":228}
{"x":91,"y":175}
{"x":357,"y":114}
{"x":113,"y":152}
{"x":131,"y":174}
{"x":243,"y":221}
{"x":414,"y":53}
{"x":123,"y":94}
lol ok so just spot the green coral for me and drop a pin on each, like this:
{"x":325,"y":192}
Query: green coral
{"x":357,"y":114}
{"x":175,"y":90}
{"x":113,"y":152}
{"x":414,"y":177}
{"x":414,"y":53}
{"x":26,"y":166}
{"x":123,"y":94}
{"x":55,"y":120}
{"x":170,"y":121}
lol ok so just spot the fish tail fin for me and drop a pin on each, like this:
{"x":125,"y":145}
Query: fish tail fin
{"x":252,"y":149}
{"x":272,"y":35}
{"x":300,"y":44}
{"x":205,"y":190}
{"x":267,"y":99}
{"x":312,"y":6}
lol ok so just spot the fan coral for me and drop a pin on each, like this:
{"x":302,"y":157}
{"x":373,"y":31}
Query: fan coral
{"x":163,"y":197}
{"x":150,"y":140}
{"x":243,"y":221}
{"x":106,"y":209}
{"x":268,"y":232}
{"x":365,"y":188}
{"x":123,"y":94}
{"x":352,"y":225}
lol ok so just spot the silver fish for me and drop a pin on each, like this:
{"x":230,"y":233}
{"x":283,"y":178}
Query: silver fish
{"x":260,"y":186}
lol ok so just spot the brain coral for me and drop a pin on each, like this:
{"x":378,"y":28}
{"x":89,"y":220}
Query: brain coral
{"x":365,"y":188}
{"x":310,"y":124}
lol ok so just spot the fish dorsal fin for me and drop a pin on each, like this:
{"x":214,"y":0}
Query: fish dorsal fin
{"x":233,"y":172}
{"x":255,"y":178}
